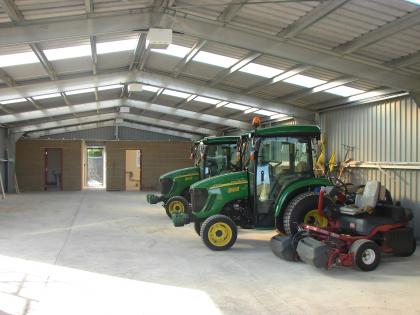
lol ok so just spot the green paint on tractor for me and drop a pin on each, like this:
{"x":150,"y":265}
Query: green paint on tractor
{"x":277,"y":168}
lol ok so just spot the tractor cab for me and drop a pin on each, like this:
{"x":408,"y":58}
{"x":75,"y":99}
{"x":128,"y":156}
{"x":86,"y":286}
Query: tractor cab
{"x":274,"y":158}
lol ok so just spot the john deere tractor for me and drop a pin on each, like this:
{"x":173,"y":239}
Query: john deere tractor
{"x":212,"y":156}
{"x":275,"y":188}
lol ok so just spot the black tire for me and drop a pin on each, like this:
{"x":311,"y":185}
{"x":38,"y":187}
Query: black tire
{"x":176,"y":204}
{"x":296,"y":210}
{"x":197,"y":227}
{"x":210,"y":232}
{"x":367,"y":254}
{"x":409,"y":253}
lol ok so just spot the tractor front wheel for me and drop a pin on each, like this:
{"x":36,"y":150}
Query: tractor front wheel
{"x":219,"y":232}
{"x":302,"y":209}
{"x":176,"y":204}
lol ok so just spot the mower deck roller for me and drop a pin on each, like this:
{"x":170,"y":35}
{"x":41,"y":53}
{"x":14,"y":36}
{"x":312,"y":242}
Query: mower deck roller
{"x":282,"y":247}
{"x":313,"y":252}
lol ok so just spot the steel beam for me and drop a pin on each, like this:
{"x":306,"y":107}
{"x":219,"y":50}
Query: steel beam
{"x":10,"y":8}
{"x":139,"y":54}
{"x":150,"y":79}
{"x":175,"y":133}
{"x":405,"y":61}
{"x":179,"y":68}
{"x":89,"y":6}
{"x":319,"y":12}
{"x":281,"y":77}
{"x":44,"y":61}
{"x":7,"y":78}
{"x":238,"y":65}
{"x":231,"y":10}
{"x":398,"y":25}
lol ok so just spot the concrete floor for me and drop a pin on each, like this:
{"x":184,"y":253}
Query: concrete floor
{"x":96,"y":252}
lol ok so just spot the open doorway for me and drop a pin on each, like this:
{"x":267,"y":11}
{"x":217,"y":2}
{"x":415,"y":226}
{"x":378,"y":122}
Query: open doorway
{"x":95,"y":167}
{"x":53,"y":169}
{"x":132,"y":170}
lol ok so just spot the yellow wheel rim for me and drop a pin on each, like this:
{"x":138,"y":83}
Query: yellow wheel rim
{"x":313,"y":218}
{"x":220,"y":234}
{"x":176,"y":207}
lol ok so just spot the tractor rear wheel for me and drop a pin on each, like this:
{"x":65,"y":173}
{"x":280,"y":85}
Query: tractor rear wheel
{"x":176,"y":204}
{"x":219,"y":232}
{"x":302,"y":209}
{"x":367,"y":254}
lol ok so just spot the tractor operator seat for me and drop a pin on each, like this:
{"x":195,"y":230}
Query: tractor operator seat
{"x":365,"y":202}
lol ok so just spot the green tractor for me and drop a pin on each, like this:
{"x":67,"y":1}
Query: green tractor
{"x":276,"y":188}
{"x":212,"y":156}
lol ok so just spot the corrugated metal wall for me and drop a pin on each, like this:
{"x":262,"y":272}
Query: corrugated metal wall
{"x":108,"y":133}
{"x":387,"y":131}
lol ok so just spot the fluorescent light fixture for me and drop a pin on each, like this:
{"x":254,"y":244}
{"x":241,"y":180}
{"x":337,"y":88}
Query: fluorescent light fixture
{"x":260,"y":70}
{"x":221,"y":104}
{"x":207,"y":100}
{"x":345,"y":91}
{"x":214,"y":59}
{"x":67,"y":52}
{"x":304,"y":80}
{"x":124,"y":109}
{"x":41,"y":97}
{"x":414,"y":1}
{"x":175,"y":93}
{"x":150,"y":88}
{"x":250,"y":110}
{"x":18,"y":59}
{"x":364,"y":95}
{"x":116,"y":46}
{"x":264,"y":112}
{"x":16,"y":100}
{"x":81,"y":91}
{"x":110,"y":87}
{"x":173,"y":50}
{"x":237,"y":106}
{"x":278,"y":116}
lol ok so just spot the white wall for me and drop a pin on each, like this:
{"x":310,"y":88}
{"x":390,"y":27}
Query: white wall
{"x":387,"y":131}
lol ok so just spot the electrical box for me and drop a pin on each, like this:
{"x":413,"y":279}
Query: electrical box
{"x":135,"y":87}
{"x":124,"y":109}
{"x":158,"y":38}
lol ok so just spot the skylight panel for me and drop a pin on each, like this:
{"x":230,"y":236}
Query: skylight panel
{"x":221,"y":104}
{"x":264,"y":112}
{"x":16,"y":100}
{"x":345,"y":91}
{"x":116,"y":46}
{"x":364,"y":95}
{"x":207,"y":100}
{"x":81,"y":91}
{"x":278,"y":116}
{"x":18,"y":59}
{"x":110,"y":87}
{"x":250,"y":110}
{"x":414,"y":1}
{"x":175,"y":93}
{"x":150,"y":88}
{"x":173,"y":50}
{"x":67,"y":52}
{"x":41,"y":97}
{"x":260,"y":70}
{"x":304,"y":80}
{"x":237,"y":106}
{"x":214,"y":59}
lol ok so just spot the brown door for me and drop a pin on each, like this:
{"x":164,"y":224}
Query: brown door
{"x":132,"y":169}
{"x":53,"y":169}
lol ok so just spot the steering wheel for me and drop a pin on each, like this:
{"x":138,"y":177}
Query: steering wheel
{"x":340,"y":184}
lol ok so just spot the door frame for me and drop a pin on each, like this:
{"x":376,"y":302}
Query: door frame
{"x":45,"y":171}
{"x":125,"y":167}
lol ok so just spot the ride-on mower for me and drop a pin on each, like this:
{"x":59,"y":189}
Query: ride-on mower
{"x":275,"y":187}
{"x":212,"y":156}
{"x":355,"y":235}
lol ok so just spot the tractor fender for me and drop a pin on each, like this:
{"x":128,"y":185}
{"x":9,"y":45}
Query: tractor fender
{"x":295,"y":188}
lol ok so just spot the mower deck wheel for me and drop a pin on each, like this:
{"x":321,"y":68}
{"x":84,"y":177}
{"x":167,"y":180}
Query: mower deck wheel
{"x":219,"y":232}
{"x":176,"y":204}
{"x":367,"y":254}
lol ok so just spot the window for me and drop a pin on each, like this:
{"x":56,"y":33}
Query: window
{"x":219,"y":159}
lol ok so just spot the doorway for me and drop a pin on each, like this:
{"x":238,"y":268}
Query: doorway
{"x":132,"y":170}
{"x":53,"y":169}
{"x":95,"y":167}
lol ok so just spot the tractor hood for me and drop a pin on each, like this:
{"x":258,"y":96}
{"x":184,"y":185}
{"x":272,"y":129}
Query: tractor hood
{"x":182,"y":172}
{"x":220,"y":181}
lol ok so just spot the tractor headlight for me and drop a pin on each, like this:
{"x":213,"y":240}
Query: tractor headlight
{"x":198,"y":198}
